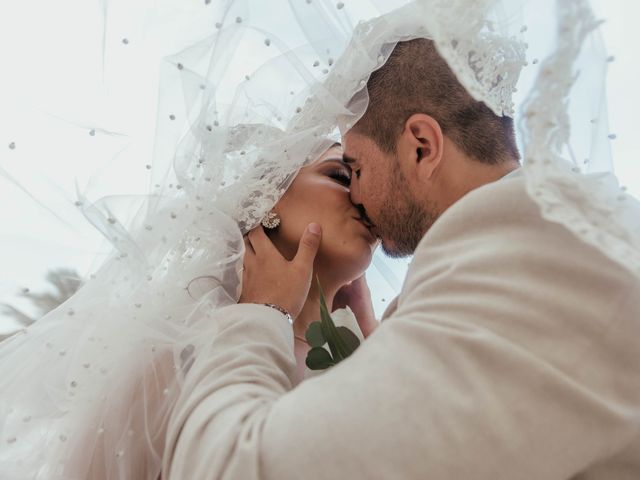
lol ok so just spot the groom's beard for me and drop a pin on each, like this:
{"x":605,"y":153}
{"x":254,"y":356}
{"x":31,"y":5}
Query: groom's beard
{"x":403,"y":221}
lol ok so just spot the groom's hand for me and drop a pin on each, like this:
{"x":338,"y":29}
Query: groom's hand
{"x":357,"y":296}
{"x":268,"y":277}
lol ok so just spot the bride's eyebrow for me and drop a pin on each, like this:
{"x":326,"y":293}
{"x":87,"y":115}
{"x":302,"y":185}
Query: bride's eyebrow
{"x":338,"y":160}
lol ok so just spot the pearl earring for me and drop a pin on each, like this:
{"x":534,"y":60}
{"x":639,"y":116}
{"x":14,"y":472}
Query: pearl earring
{"x":271,"y":220}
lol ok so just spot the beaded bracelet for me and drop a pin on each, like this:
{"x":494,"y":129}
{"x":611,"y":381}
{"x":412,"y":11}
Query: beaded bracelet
{"x":281,"y":310}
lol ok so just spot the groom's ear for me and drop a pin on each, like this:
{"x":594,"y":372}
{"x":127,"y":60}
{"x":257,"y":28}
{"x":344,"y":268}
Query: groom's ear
{"x":423,"y":143}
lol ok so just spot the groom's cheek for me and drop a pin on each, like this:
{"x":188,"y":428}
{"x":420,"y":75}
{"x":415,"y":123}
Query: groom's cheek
{"x":354,"y":191}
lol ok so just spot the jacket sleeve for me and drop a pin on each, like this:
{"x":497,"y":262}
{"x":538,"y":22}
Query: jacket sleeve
{"x":490,"y":368}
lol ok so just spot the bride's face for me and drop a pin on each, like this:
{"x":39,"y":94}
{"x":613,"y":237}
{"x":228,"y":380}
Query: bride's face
{"x":320,"y":194}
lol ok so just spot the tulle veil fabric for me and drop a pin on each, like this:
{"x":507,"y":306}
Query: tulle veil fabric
{"x":250,"y":92}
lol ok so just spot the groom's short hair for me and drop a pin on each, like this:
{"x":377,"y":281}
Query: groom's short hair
{"x":416,"y":79}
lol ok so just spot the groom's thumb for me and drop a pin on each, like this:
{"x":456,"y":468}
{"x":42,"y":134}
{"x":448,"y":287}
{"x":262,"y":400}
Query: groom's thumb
{"x":309,"y":244}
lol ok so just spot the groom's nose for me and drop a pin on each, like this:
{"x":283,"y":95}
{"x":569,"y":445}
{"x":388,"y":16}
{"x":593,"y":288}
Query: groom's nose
{"x":354,"y":191}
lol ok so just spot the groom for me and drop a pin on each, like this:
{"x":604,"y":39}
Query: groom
{"x":510,"y":353}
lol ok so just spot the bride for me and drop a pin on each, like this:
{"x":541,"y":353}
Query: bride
{"x":87,"y":390}
{"x":320,"y":194}
{"x":100,"y":411}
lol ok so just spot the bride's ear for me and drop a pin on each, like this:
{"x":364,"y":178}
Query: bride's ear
{"x":424,"y":142}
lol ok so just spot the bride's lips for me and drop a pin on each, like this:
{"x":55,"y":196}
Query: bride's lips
{"x":367,"y":224}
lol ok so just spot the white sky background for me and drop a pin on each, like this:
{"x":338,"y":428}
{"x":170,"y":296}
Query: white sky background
{"x":41,"y":47}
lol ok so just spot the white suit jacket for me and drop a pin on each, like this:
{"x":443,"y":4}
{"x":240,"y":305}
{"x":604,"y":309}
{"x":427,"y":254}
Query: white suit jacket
{"x":512,"y":352}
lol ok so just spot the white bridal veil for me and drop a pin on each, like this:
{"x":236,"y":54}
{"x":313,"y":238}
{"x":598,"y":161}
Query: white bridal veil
{"x":249,"y":91}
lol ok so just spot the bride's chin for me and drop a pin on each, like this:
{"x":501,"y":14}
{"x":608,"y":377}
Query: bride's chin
{"x":361,"y":262}
{"x":348,"y":265}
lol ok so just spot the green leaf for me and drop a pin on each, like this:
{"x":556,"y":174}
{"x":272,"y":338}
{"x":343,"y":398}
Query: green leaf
{"x":319,"y":359}
{"x":327,"y":326}
{"x":314,"y":335}
{"x":341,"y":346}
{"x":349,"y":338}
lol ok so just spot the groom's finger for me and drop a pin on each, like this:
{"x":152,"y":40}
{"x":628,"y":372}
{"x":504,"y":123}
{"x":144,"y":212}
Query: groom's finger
{"x":308,"y":247}
{"x":248,"y":246}
{"x":260,"y":241}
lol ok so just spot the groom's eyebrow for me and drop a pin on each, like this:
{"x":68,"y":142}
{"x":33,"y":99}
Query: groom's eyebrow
{"x":348,"y":160}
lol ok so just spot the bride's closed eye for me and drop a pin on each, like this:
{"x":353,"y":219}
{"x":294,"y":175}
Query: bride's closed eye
{"x":340,"y":175}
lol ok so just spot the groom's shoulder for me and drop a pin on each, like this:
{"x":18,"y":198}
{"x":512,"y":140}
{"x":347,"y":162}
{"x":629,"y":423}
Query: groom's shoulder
{"x":496,"y":207}
{"x":498,"y":231}
{"x":500,"y":223}
{"x":496,"y":199}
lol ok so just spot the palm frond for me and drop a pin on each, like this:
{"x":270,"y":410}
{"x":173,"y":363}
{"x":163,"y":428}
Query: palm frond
{"x":19,"y":316}
{"x":65,"y":283}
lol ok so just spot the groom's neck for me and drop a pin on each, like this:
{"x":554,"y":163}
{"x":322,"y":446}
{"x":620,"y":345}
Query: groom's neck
{"x":463,"y":175}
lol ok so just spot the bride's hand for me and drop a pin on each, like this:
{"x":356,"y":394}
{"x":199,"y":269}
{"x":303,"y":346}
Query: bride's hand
{"x":268,"y":277}
{"x":357,"y":297}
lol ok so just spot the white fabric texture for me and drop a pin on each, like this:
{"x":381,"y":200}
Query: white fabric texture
{"x":512,"y":354}
{"x":249,"y":92}
{"x":86,"y":391}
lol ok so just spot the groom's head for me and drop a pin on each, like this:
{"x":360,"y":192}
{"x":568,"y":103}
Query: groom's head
{"x":421,"y":145}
